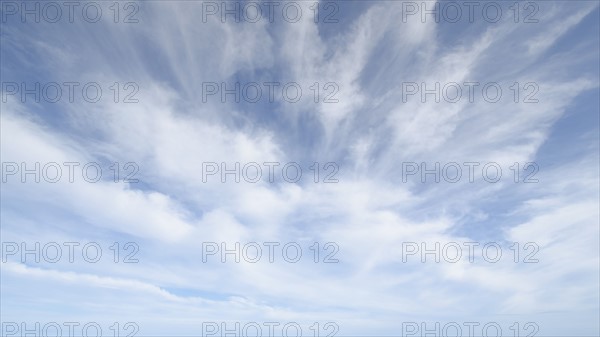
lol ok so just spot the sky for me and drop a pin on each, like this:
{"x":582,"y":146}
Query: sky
{"x":314,"y":168}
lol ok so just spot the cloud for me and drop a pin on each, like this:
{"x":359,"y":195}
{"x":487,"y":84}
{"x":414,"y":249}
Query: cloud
{"x":369,"y":214}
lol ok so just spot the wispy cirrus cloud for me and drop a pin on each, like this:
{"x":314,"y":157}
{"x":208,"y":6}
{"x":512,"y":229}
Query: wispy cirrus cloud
{"x":171,"y":132}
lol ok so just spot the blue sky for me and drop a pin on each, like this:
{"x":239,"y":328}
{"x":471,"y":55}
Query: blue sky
{"x":370,"y":54}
